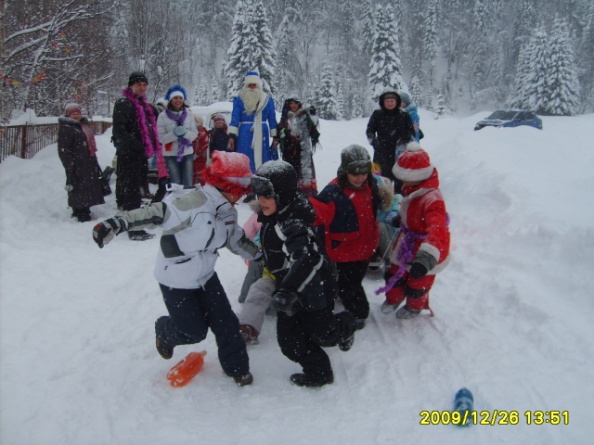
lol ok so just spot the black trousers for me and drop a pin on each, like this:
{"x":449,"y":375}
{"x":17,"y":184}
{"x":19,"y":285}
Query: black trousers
{"x":192,"y":312}
{"x":302,"y":337}
{"x":350,"y":287}
{"x":132,"y":171}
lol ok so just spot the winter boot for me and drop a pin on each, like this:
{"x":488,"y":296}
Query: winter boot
{"x":404,"y":313}
{"x":140,"y":235}
{"x":310,"y":381}
{"x":244,"y":380}
{"x":359,"y":324}
{"x":347,"y":325}
{"x":388,"y":308}
{"x":249,"y":334}
{"x":164,"y":351}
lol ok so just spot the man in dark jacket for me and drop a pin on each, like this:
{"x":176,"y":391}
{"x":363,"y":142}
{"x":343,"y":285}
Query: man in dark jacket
{"x":387,"y":129}
{"x":135,"y":138}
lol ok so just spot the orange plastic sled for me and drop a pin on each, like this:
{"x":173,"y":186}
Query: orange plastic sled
{"x":183,"y":373}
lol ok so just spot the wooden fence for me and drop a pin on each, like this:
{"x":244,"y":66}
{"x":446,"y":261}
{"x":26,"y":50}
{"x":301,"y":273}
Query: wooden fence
{"x":25,"y":141}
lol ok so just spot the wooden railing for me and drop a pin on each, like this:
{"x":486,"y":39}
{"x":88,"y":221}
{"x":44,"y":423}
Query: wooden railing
{"x":25,"y":141}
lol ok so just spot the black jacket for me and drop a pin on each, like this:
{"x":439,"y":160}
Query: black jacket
{"x":294,"y":256}
{"x":82,"y":169}
{"x":126,"y":132}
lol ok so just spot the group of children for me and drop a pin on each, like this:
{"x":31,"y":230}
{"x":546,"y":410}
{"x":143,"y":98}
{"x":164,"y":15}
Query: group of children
{"x":310,"y":251}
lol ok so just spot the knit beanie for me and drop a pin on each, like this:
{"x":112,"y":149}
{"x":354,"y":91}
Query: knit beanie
{"x":413,"y":164}
{"x":176,"y":91}
{"x":252,"y":76}
{"x":276,"y":179}
{"x":405,"y":97}
{"x":354,"y":160}
{"x":137,"y":76}
{"x":72,"y":107}
{"x":229,"y":172}
{"x":218,"y":118}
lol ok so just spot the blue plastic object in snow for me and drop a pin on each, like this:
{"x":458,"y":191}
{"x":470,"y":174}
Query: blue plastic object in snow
{"x":463,"y":404}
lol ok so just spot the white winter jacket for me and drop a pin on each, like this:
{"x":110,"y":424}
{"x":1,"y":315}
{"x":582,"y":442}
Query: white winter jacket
{"x":195,"y":225}
{"x":166,"y":135}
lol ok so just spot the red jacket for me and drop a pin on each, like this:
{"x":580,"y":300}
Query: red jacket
{"x":423,"y":212}
{"x":351,"y":231}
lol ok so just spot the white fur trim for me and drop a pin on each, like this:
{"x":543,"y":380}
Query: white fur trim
{"x":177,"y":93}
{"x":410,"y":175}
{"x":273,"y":132}
{"x":431,"y":250}
{"x":413,"y":146}
{"x":233,"y":130}
{"x":251,"y":79}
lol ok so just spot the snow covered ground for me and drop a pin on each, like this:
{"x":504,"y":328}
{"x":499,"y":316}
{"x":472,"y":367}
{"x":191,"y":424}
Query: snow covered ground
{"x":513,"y":314}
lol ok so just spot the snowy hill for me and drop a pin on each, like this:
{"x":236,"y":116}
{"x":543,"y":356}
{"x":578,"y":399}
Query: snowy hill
{"x":513,"y":314}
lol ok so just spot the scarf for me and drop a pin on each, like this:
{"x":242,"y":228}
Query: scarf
{"x":182,"y":142}
{"x":405,"y":255}
{"x":144,"y":110}
{"x":90,"y":136}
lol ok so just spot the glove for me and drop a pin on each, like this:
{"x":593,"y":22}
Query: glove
{"x":283,"y":301}
{"x":179,"y":131}
{"x":422,"y":264}
{"x":312,"y":110}
{"x":104,"y":232}
{"x":275,"y":141}
{"x":68,"y":187}
{"x":396,"y":221}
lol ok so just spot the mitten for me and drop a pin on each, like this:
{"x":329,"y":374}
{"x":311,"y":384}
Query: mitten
{"x":179,"y":131}
{"x":231,"y":143}
{"x":422,"y":264}
{"x":104,"y":232}
{"x":283,"y":301}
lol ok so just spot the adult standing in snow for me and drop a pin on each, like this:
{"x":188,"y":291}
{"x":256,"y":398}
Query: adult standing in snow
{"x":346,"y":209}
{"x":298,"y":135}
{"x":253,"y":122}
{"x":304,"y":285}
{"x":422,"y":247}
{"x":77,"y":148}
{"x":195,"y":225}
{"x":406,"y":104}
{"x":177,"y":130}
{"x":136,"y":140}
{"x":388,"y":128}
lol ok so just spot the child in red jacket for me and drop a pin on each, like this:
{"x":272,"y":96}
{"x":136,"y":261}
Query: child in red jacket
{"x":201,"y":155}
{"x":347,"y":210}
{"x":422,"y":247}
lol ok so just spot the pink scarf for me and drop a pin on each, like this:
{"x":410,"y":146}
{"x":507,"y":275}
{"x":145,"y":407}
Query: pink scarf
{"x":90,"y":135}
{"x":144,"y":110}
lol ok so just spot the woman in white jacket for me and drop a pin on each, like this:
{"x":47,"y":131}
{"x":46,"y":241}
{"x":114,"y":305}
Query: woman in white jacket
{"x":177,"y":130}
{"x":196,"y":224}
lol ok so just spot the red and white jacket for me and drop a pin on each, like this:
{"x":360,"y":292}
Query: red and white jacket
{"x":423,"y":212}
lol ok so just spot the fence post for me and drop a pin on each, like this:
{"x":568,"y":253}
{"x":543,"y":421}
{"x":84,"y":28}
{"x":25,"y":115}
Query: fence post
{"x":24,"y":143}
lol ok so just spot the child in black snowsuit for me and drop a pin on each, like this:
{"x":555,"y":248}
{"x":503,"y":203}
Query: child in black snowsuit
{"x":305,"y":285}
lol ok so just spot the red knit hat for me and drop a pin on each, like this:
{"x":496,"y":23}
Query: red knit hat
{"x":218,"y":117}
{"x":229,"y":172}
{"x":413,"y":164}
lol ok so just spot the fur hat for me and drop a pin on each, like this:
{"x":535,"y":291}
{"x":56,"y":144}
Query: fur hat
{"x":72,"y":107}
{"x":175,"y":91}
{"x":389,"y":94}
{"x":137,"y":76}
{"x":354,"y":160}
{"x":229,"y":172}
{"x":276,"y":179}
{"x":252,"y":76}
{"x":413,"y":164}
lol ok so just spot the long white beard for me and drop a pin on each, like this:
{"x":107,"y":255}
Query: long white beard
{"x":250,"y":98}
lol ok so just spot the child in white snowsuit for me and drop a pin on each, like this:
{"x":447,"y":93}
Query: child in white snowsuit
{"x":195,"y":225}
